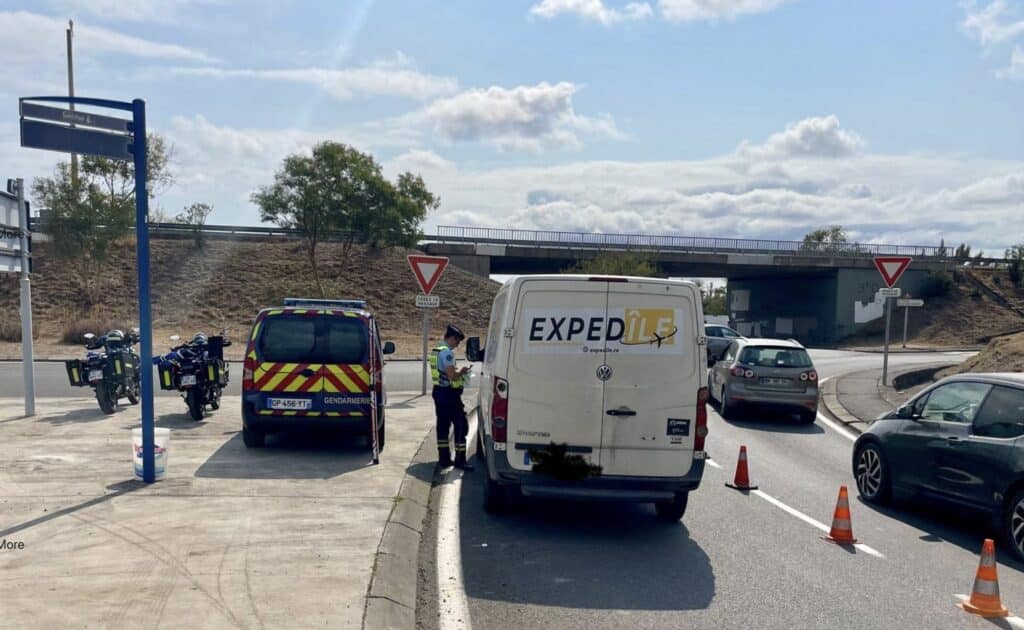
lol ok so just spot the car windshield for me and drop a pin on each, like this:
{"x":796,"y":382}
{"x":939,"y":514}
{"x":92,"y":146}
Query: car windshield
{"x":295,"y":339}
{"x":767,"y":356}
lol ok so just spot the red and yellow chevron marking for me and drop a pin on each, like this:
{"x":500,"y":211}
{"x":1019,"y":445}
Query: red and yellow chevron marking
{"x":287,"y":377}
{"x":346,"y":378}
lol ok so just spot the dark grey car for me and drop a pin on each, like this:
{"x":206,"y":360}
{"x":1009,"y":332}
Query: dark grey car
{"x":961,"y":441}
{"x":719,"y":338}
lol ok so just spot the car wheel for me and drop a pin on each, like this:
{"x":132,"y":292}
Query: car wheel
{"x":253,"y":438}
{"x":380,"y":434}
{"x":495,"y":495}
{"x":725,"y":408}
{"x":807,"y":416}
{"x":672,"y":511}
{"x":1015,"y":524}
{"x":872,"y":474}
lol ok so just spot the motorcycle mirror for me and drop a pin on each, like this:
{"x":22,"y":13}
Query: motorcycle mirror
{"x":175,"y":337}
{"x":134,"y":331}
{"x":88,"y":336}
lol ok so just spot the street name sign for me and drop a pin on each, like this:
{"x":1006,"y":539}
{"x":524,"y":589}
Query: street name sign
{"x":891,"y":267}
{"x":428,"y":301}
{"x":428,"y":270}
{"x":893,"y":292}
{"x":909,"y":303}
{"x":79,"y":119}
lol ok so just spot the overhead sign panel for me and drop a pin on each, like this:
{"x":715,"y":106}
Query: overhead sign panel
{"x":891,"y":267}
{"x":80,"y":119}
{"x":53,"y":137}
{"x":428,"y":270}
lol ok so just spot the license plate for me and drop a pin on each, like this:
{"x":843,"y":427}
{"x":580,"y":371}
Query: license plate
{"x":290,"y":403}
{"x":775,"y":381}
{"x":188,"y":379}
{"x":95,"y":375}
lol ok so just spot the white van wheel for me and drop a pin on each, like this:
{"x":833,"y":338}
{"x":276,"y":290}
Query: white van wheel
{"x":481,"y":452}
{"x":672,"y":511}
{"x":495,"y":496}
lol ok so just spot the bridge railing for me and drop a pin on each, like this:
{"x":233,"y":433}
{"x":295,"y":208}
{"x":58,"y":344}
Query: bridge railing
{"x":657,"y":242}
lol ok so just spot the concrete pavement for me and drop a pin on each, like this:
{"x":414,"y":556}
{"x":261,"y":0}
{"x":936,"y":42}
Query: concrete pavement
{"x":857,"y":398}
{"x":285,"y":536}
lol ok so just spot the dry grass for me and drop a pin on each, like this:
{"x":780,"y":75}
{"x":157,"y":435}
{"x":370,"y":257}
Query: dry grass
{"x":10,"y":330}
{"x":75,"y":331}
{"x":1002,"y":354}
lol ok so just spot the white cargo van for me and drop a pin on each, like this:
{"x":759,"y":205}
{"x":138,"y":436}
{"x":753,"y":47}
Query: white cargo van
{"x":611,"y":372}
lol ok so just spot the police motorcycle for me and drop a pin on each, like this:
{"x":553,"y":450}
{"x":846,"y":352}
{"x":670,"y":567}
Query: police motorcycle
{"x":111,"y":367}
{"x":196,"y":369}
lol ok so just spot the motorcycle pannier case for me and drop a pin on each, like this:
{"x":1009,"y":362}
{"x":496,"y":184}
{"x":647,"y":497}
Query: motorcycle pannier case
{"x":76,"y":373}
{"x":165,"y":372}
{"x":213,"y":371}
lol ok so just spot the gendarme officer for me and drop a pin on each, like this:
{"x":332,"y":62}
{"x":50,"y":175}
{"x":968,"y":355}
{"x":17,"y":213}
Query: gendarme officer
{"x":447,"y":394}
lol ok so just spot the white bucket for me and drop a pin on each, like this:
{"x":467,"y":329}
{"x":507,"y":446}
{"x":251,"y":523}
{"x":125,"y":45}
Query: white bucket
{"x":161,"y":442}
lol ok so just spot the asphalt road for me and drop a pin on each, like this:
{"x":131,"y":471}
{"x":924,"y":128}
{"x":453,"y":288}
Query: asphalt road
{"x":52,"y":380}
{"x":737,"y":560}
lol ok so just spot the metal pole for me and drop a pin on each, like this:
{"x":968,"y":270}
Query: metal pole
{"x":885,"y":354}
{"x":142,"y":254}
{"x":426,"y":335}
{"x":71,"y":93}
{"x":906,"y":320}
{"x":27,"y":366}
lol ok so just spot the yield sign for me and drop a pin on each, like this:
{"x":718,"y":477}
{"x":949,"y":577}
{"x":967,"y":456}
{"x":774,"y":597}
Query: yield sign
{"x":891,"y":267}
{"x":428,"y":270}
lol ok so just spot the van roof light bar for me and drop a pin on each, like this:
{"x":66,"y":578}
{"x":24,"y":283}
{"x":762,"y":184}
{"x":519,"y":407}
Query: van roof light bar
{"x":313,"y":303}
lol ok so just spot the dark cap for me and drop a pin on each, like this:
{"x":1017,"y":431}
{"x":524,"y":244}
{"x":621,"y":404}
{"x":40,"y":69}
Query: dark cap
{"x":452,"y":331}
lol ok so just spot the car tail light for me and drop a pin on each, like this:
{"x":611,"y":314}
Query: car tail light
{"x":499,"y":411}
{"x":247,"y":369}
{"x":743,"y":372}
{"x":811,"y":376}
{"x":700,"y":431}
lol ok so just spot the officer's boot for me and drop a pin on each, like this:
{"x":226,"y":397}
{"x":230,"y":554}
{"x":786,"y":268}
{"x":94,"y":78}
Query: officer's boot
{"x":444,"y":455}
{"x":460,"y":458}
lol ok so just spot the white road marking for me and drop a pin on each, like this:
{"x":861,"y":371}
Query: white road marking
{"x":1014,"y":622}
{"x":810,"y":521}
{"x":713,"y":463}
{"x":841,"y":430}
{"x":453,"y":607}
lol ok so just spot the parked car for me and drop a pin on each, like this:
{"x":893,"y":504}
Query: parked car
{"x":960,"y":441}
{"x":314,"y":363}
{"x":593,"y":388}
{"x":719,"y":338}
{"x":776,"y":373}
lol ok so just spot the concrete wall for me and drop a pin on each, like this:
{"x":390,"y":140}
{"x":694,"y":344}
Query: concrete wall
{"x":856,"y":302}
{"x":801,"y":307}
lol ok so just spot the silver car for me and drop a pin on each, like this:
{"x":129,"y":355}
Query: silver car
{"x":766,"y":372}
{"x":719,"y":338}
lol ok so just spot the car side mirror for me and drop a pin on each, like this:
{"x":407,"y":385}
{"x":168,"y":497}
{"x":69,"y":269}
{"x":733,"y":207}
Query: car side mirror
{"x":906,"y":412}
{"x":474,"y":352}
{"x":389,"y":347}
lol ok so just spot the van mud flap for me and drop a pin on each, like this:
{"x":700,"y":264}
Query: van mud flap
{"x":557,"y":462}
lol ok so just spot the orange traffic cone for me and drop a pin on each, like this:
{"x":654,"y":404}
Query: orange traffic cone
{"x":984,"y":600}
{"x":742,"y":480}
{"x":842,"y":531}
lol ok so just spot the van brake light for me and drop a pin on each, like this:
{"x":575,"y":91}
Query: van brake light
{"x":499,"y":411}
{"x":247,"y":373}
{"x":700,"y":431}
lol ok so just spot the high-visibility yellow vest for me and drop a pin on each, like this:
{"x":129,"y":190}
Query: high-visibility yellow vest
{"x":440,"y":378}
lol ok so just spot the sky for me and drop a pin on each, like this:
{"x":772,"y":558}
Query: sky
{"x":900,"y":121}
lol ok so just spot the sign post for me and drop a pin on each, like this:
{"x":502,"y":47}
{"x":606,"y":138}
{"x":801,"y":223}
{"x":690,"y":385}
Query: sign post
{"x":907,"y":303}
{"x":427,"y":270}
{"x":891,"y":268}
{"x":74,"y":131}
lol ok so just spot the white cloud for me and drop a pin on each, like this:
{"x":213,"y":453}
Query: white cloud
{"x":1016,"y":68}
{"x":595,"y":10}
{"x":386,"y":78}
{"x":158,"y":11}
{"x":526,"y":117}
{"x":713,"y":10}
{"x":419,"y":161}
{"x":811,"y":137}
{"x":27,"y":35}
{"x":991,"y":24}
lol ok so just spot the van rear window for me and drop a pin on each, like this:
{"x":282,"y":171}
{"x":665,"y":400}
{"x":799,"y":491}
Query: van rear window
{"x":300,"y":339}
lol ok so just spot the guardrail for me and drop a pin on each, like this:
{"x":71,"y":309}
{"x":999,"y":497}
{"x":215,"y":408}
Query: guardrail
{"x":696,"y":244}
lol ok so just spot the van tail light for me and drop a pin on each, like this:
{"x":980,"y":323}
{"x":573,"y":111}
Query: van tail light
{"x":743,"y":372}
{"x":247,"y":369}
{"x":811,"y":376}
{"x":499,"y":411}
{"x":700,"y":431}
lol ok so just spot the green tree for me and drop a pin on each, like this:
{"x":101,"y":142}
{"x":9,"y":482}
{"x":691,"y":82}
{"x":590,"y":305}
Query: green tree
{"x":340,"y":190}
{"x":714,"y":300}
{"x":1015,"y":263}
{"x":88,"y":215}
{"x":615,"y":264}
{"x":195,"y":215}
{"x":963,"y":250}
{"x":826,"y":239}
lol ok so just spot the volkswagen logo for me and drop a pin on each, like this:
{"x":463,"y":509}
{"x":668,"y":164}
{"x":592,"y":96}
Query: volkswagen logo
{"x":604,"y":372}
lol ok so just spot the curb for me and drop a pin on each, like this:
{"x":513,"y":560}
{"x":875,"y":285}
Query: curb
{"x":391,"y":598}
{"x":836,"y":411}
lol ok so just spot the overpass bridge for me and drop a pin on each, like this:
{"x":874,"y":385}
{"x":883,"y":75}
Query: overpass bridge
{"x":817,"y":294}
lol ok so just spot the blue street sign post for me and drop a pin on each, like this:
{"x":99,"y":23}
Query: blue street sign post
{"x":44,"y":127}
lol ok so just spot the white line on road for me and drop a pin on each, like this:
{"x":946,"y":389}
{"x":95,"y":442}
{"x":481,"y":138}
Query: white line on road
{"x":843,"y":431}
{"x":453,"y":605}
{"x":1014,"y":622}
{"x":810,"y":521}
{"x":713,"y":463}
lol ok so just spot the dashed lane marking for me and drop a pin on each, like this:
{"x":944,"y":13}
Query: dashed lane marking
{"x":810,"y":521}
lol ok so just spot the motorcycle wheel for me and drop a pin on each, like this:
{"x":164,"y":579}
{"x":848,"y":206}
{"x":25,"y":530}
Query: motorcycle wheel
{"x":132,"y":392}
{"x":105,"y":398}
{"x":194,"y":400}
{"x":215,"y":398}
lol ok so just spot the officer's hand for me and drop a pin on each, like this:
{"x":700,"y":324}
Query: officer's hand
{"x":464,"y":370}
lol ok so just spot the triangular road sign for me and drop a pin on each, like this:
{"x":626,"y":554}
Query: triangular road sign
{"x":428,"y":270}
{"x":891,"y":267}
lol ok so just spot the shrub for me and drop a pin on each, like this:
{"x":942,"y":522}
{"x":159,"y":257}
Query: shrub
{"x":10,"y":331}
{"x":74,"y":332}
{"x":936,"y":284}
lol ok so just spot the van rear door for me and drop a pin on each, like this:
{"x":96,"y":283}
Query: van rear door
{"x":554,"y":392}
{"x":650,"y":397}
{"x":287,"y":371}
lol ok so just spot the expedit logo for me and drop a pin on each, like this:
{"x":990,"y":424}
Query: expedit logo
{"x":651,"y":327}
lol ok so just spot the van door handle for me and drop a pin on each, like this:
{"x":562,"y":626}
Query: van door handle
{"x":307,"y":372}
{"x":621,"y":411}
